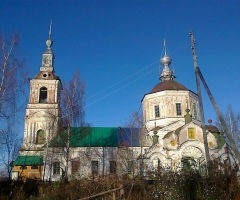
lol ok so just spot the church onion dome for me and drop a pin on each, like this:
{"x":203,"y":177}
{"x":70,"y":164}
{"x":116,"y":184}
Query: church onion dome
{"x":166,"y":60}
{"x":167,"y":76}
{"x":168,"y":85}
{"x":212,"y":129}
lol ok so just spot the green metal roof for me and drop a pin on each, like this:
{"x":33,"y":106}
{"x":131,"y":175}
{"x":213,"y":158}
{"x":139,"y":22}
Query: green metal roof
{"x":28,"y":160}
{"x":85,"y":137}
{"x":97,"y":137}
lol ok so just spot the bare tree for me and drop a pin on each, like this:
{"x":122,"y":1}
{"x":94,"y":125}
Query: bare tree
{"x":73,"y":115}
{"x":11,"y":143}
{"x":129,"y":139}
{"x":72,"y":102}
{"x":232,"y":119}
{"x":12,"y":73}
{"x":13,"y":78}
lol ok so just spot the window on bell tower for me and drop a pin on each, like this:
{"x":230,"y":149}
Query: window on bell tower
{"x":40,"y":137}
{"x":43,"y":95}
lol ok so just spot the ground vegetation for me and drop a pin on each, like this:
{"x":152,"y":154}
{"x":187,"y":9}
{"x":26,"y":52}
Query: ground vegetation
{"x":221,"y":182}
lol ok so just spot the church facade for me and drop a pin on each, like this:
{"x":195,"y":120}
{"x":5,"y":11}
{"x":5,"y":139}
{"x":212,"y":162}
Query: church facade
{"x":171,"y":136}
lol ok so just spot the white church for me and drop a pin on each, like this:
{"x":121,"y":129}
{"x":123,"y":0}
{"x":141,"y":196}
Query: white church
{"x":171,"y":136}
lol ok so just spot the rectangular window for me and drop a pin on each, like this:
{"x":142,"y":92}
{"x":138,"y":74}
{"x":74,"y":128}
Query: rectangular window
{"x":178,"y":109}
{"x":56,"y":168}
{"x":75,"y":166}
{"x":23,"y":167}
{"x":157,"y":111}
{"x":94,"y":167}
{"x":34,"y":167}
{"x":113,"y":166}
{"x":130,"y":166}
{"x":194,"y":111}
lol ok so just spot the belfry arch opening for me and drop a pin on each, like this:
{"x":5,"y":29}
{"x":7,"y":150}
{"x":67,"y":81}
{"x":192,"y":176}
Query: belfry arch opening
{"x":40,"y":137}
{"x":43,"y":95}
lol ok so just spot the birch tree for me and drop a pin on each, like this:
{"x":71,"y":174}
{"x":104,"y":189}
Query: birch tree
{"x":73,"y":115}
{"x":13,"y":78}
{"x":232,"y":119}
{"x":9,"y":150}
{"x":12,"y":73}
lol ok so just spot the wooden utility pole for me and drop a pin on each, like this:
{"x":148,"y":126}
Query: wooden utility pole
{"x":119,"y":168}
{"x":200,"y":103}
{"x":220,"y":117}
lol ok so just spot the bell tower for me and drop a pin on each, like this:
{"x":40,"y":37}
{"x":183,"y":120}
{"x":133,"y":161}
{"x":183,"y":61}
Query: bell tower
{"x":43,"y":109}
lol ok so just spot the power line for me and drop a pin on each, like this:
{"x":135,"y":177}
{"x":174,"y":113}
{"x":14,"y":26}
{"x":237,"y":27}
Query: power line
{"x":121,"y":81}
{"x":232,"y":13}
{"x":121,"y":87}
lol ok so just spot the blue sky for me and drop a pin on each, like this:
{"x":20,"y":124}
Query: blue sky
{"x":116,"y":47}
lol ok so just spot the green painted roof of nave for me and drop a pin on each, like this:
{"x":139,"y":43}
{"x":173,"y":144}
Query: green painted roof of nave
{"x":98,"y":137}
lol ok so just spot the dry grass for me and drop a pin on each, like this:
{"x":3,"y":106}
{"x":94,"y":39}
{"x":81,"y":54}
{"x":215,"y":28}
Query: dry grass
{"x":218,"y":184}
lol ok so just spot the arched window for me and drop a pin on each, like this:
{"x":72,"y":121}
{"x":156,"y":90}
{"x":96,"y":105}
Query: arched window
{"x":191,"y":157}
{"x":188,"y":163}
{"x":40,"y":137}
{"x":43,"y":95}
{"x":156,"y":162}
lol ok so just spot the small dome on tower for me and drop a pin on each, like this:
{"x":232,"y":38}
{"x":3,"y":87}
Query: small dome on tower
{"x":212,"y":129}
{"x":167,"y":76}
{"x":166,"y":60}
{"x":49,"y":43}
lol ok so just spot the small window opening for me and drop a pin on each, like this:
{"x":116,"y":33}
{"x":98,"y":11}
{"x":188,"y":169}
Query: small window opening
{"x":23,"y":167}
{"x":75,"y":166}
{"x":157,"y":111}
{"x":34,"y":167}
{"x":94,"y":167}
{"x":130,"y":166}
{"x":40,"y":137}
{"x":43,"y":95}
{"x":56,"y":168}
{"x":113,"y":167}
{"x":178,"y":109}
{"x":156,"y":162}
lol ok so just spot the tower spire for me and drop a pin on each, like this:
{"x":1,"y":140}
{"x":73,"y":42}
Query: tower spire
{"x":49,"y":41}
{"x":166,"y":74}
{"x":164,"y":46}
{"x":47,"y":57}
{"x":50,"y":30}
